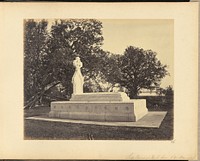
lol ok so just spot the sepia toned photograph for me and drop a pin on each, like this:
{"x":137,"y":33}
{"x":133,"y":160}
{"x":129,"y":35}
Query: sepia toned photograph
{"x":98,"y":79}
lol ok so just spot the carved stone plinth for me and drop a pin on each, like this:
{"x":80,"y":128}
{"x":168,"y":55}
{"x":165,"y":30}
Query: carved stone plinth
{"x":100,"y":107}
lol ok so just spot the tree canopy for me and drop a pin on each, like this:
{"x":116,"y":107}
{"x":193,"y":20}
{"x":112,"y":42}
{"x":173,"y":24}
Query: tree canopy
{"x":140,"y":69}
{"x":49,"y":51}
{"x":36,"y":75}
{"x":48,"y":54}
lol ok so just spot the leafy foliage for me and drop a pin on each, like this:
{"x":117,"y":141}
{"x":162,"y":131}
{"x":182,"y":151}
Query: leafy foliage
{"x":35,"y":57}
{"x":140,"y":69}
{"x":70,"y":38}
{"x":49,"y":53}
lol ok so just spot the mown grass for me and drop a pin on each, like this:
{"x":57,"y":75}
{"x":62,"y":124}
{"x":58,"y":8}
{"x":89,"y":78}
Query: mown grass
{"x":43,"y":130}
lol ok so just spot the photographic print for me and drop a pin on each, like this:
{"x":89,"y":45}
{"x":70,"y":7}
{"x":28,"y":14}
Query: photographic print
{"x":98,"y":79}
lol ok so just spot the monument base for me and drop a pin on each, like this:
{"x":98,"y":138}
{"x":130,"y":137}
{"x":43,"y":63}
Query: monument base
{"x":117,"y":110}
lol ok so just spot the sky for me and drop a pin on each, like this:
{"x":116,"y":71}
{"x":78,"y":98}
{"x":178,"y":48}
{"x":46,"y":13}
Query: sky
{"x":157,"y":35}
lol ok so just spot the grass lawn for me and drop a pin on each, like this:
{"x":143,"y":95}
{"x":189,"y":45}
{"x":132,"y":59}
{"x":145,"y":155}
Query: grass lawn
{"x":43,"y":130}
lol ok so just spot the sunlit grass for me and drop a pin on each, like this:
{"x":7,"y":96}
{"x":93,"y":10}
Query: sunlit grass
{"x":35,"y":129}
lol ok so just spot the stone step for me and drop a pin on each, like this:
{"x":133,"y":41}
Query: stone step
{"x":118,"y":111}
{"x":101,"y":96}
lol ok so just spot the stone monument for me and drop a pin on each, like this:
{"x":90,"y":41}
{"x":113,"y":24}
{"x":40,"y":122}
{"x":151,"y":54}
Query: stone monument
{"x":77,"y":79}
{"x":100,"y":106}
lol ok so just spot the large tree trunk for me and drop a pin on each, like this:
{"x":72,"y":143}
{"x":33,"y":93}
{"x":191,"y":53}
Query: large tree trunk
{"x":133,"y":92}
{"x":33,"y":100}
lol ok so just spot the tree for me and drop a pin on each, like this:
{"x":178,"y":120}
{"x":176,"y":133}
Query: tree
{"x":110,"y":67}
{"x":107,"y":72}
{"x":168,"y":96}
{"x":140,"y":69}
{"x":48,"y":55}
{"x":71,"y":38}
{"x":36,"y":76}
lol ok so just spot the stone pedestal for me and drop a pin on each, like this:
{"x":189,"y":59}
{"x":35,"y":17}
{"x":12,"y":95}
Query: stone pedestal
{"x":101,"y":96}
{"x":103,"y":106}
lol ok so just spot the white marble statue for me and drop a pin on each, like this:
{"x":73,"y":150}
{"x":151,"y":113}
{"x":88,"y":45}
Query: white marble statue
{"x":77,"y":79}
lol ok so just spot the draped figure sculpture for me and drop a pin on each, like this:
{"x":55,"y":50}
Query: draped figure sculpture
{"x":77,"y":79}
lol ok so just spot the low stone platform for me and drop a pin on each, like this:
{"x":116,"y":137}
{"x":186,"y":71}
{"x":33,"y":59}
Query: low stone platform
{"x":151,"y":120}
{"x":99,"y":111}
{"x":100,"y":107}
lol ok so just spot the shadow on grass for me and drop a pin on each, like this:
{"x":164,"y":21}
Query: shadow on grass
{"x":43,"y":130}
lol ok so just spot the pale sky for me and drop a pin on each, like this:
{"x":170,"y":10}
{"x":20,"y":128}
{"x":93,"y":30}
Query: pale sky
{"x":157,"y":35}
